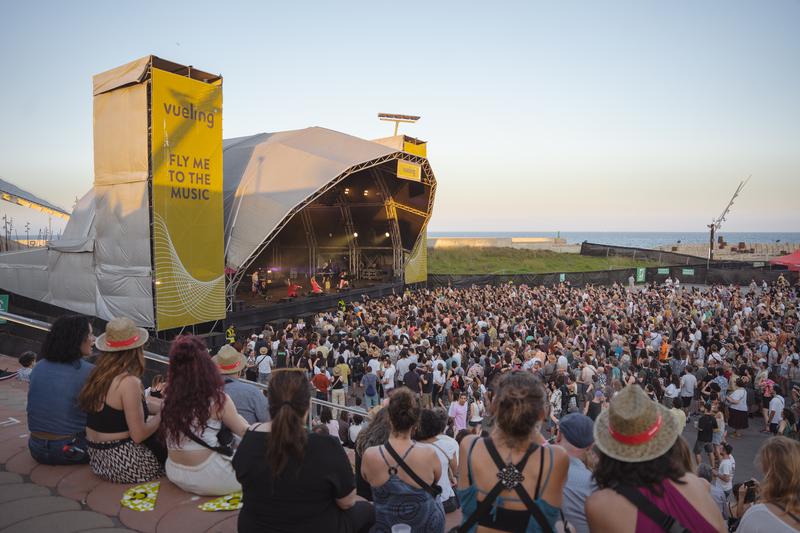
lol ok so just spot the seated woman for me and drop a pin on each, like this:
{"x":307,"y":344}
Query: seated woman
{"x":528,"y":495}
{"x":404,"y":476}
{"x":56,"y":424}
{"x":642,"y":472}
{"x":777,"y":506}
{"x":195,"y":410}
{"x":117,"y":420}
{"x":293,"y":480}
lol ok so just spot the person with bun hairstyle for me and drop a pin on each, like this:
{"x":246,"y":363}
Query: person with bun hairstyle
{"x":119,"y":428}
{"x":506,"y":481}
{"x":404,"y":475}
{"x":197,"y":421}
{"x":643,"y":472}
{"x":293,"y":480}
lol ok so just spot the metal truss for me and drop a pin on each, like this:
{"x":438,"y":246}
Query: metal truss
{"x":428,"y":178}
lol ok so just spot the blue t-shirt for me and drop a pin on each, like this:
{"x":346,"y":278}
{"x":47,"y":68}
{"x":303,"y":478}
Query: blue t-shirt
{"x":53,"y":397}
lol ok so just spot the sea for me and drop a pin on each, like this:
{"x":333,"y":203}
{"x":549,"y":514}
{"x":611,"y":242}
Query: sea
{"x":631,"y":238}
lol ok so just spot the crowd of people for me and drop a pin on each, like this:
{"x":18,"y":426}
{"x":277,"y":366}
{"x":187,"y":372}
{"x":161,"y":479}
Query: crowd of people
{"x":529,"y":408}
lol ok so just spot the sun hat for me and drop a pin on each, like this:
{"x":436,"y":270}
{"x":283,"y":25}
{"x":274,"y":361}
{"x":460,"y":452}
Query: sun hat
{"x":576,"y":428}
{"x":263,"y":350}
{"x":634,"y":428}
{"x":121,"y":334}
{"x":229,"y":360}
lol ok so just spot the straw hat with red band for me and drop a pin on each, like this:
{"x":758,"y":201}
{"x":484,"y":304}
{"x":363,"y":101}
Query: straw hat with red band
{"x":121,"y":334}
{"x":634,"y":428}
{"x":229,"y":360}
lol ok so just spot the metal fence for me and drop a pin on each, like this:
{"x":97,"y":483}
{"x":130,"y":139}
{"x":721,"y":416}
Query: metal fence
{"x":725,"y":274}
{"x":162,"y":360}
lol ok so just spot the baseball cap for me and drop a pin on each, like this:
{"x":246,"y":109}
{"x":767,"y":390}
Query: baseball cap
{"x":577,"y":429}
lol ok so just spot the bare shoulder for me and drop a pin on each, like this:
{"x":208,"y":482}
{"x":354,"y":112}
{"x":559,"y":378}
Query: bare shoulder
{"x":467,"y":441}
{"x":597,"y":506}
{"x":129,"y":382}
{"x":560,"y":456}
{"x":600,"y":499}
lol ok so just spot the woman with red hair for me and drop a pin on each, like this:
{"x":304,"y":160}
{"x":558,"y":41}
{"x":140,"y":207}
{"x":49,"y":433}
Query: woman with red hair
{"x":197,"y":420}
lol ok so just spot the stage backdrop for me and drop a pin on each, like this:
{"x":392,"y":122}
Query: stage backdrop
{"x":186,"y":143}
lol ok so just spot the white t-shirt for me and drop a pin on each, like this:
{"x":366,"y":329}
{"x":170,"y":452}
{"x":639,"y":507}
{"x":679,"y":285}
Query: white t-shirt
{"x":402,"y":366}
{"x":739,"y":394}
{"x":388,"y":378}
{"x":759,"y":519}
{"x":375,"y":365}
{"x":688,"y":384}
{"x":354,"y":430}
{"x":726,"y":467}
{"x":445,"y":448}
{"x":264,"y":364}
{"x":777,"y":404}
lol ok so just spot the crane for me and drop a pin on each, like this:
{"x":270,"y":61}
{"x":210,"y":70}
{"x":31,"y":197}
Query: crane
{"x":717,"y":224}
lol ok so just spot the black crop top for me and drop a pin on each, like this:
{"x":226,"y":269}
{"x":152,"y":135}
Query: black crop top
{"x":110,"y":420}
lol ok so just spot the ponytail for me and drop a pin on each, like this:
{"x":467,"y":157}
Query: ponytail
{"x":289,"y":397}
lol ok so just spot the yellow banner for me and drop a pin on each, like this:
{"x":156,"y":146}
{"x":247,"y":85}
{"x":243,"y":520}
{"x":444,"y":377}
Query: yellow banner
{"x":416,"y":270}
{"x":409,"y":171}
{"x":187,"y":200}
{"x":420,"y":149}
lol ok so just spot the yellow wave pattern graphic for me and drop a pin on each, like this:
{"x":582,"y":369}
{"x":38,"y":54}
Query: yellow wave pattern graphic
{"x":179,"y":296}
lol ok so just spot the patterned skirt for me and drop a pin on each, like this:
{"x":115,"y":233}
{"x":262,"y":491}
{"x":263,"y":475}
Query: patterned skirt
{"x":124,"y":461}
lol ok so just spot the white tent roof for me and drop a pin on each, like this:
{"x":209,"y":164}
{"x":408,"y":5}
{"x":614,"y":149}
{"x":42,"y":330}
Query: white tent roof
{"x":269,"y":175}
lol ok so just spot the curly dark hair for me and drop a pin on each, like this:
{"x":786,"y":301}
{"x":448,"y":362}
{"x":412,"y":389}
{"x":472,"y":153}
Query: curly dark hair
{"x":194,"y":385}
{"x":432,"y":422}
{"x":519,"y":404}
{"x":63,"y":342}
{"x":403,"y":410}
{"x":610,"y":472}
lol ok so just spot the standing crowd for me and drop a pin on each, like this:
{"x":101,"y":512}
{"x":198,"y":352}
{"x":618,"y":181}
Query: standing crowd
{"x":529,"y":408}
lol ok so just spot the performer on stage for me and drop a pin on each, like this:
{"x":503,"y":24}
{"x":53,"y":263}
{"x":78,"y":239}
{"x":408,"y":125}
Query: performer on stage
{"x":255,"y":283}
{"x":315,"y":288}
{"x":344,"y":280}
{"x":293,"y":288}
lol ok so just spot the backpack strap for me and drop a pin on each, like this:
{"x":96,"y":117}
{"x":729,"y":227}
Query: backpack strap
{"x":434,"y":490}
{"x":662,"y":519}
{"x":484,"y":505}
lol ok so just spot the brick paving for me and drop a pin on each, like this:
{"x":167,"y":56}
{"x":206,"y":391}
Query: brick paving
{"x":67,"y":499}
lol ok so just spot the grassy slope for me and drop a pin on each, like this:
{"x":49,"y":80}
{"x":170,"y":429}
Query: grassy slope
{"x":512,"y":261}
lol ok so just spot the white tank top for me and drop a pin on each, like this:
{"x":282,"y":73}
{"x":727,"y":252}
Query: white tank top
{"x":209,"y":436}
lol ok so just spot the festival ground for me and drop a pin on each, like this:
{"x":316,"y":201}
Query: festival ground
{"x":70,"y":499}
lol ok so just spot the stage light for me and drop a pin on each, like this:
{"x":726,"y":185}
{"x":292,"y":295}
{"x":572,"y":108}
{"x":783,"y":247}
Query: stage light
{"x":387,"y":234}
{"x":355,"y":234}
{"x":347,"y":190}
{"x":366,"y":192}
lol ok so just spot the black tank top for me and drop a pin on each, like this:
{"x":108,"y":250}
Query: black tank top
{"x":594,"y":410}
{"x":110,"y":420}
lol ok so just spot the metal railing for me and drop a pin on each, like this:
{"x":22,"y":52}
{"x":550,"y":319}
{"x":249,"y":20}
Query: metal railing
{"x":45,"y":326}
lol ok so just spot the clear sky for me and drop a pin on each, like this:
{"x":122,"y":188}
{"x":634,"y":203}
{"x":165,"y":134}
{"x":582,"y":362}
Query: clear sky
{"x":563,"y":115}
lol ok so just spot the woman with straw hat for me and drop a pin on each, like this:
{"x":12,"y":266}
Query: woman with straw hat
{"x":640,"y":474}
{"x":119,"y":428}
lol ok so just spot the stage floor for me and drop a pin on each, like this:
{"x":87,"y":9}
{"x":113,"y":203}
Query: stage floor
{"x":255,"y":311}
